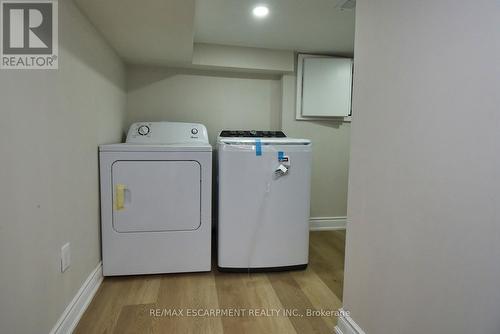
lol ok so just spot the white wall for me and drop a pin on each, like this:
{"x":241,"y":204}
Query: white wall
{"x":330,"y":155}
{"x":423,"y":236}
{"x":219,"y":100}
{"x":51,"y":124}
{"x":243,"y":58}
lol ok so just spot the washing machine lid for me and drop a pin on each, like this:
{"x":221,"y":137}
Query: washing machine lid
{"x":262,"y":137}
{"x":263,"y":141}
{"x":183,"y":147}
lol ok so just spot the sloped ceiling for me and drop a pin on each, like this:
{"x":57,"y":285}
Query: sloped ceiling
{"x":162,"y":32}
{"x":145,"y":31}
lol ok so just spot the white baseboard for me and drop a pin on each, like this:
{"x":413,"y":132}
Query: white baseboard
{"x":74,"y":311}
{"x":346,"y":325}
{"x":327,"y":223}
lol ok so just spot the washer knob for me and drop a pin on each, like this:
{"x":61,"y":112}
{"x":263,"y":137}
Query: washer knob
{"x":194,"y":131}
{"x":143,"y":130}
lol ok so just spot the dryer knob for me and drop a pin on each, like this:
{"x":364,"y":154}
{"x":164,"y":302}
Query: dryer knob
{"x":143,"y":130}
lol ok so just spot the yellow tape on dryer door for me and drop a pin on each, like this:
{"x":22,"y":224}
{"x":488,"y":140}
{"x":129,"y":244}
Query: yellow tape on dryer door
{"x":119,"y":202}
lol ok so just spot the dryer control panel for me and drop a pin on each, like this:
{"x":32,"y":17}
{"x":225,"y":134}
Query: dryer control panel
{"x":164,"y":133}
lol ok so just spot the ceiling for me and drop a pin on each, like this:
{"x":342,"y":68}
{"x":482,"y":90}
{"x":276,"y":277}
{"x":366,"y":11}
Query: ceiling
{"x":164,"y":31}
{"x":301,"y":25}
{"x":145,"y":31}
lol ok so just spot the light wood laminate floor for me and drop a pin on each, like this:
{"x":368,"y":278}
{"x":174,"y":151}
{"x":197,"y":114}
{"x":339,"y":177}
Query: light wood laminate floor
{"x":127,"y":304}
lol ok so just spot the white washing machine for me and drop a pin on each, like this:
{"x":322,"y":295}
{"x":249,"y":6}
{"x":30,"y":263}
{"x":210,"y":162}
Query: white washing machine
{"x":264,"y":183}
{"x":156,"y":200}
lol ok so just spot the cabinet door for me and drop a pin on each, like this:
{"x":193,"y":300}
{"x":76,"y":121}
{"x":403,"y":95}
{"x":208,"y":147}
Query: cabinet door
{"x":326,"y":87}
{"x":156,"y":196}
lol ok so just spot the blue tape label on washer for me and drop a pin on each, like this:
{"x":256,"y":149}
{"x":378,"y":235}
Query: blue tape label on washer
{"x":281,"y":155}
{"x":258,"y":147}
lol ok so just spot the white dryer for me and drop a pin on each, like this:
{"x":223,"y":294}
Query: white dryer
{"x":156,"y":200}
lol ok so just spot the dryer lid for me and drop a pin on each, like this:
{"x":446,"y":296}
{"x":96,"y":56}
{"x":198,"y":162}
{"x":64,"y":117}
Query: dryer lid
{"x":182,"y":147}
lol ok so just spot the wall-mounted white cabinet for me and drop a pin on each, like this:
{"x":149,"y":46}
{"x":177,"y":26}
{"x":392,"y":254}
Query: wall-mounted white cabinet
{"x":324,"y":86}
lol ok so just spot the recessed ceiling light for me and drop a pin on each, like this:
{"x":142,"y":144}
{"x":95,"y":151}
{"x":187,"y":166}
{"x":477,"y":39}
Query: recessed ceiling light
{"x":260,"y":11}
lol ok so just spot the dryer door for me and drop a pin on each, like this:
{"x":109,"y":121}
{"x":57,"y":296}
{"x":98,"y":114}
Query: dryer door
{"x":158,"y":196}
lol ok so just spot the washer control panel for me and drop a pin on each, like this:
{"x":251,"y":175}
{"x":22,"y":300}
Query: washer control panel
{"x":252,"y":134}
{"x":167,"y":133}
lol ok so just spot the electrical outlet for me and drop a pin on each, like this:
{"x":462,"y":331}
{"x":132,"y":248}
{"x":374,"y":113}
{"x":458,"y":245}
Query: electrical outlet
{"x":65,"y":257}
